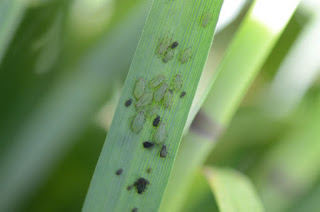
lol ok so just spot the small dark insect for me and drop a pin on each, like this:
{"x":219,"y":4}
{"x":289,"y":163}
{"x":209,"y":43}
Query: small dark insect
{"x":183,"y":94}
{"x":156,"y":121}
{"x":141,"y":185}
{"x":163,"y":151}
{"x":128,"y":102}
{"x":129,"y":187}
{"x":149,"y":170}
{"x":148,"y":144}
{"x":174,"y":45}
{"x":135,"y":210}
{"x":119,"y":171}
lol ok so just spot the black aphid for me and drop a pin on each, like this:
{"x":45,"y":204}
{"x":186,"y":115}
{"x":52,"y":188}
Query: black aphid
{"x":148,"y":144}
{"x":174,"y":45}
{"x":119,"y":171}
{"x":135,"y":210}
{"x":183,"y":94}
{"x":163,"y":151}
{"x":141,"y":185}
{"x":128,"y":102}
{"x":149,"y":170}
{"x":129,"y":187}
{"x":156,"y":121}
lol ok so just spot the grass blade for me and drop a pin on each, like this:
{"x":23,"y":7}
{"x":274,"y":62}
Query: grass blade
{"x":11,"y":12}
{"x":233,"y":191}
{"x":168,"y":21}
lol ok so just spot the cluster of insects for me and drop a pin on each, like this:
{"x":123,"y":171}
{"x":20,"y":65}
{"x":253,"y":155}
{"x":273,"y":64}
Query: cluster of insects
{"x":149,"y":97}
{"x":166,"y":50}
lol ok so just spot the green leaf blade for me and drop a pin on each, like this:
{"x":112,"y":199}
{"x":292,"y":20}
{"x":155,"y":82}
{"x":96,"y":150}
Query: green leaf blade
{"x":234,"y":192}
{"x":181,"y":21}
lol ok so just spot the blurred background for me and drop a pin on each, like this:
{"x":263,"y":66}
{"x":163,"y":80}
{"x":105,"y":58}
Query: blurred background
{"x":62,"y":67}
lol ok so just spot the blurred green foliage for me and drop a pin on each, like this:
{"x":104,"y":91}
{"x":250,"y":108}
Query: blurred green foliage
{"x":46,"y":57}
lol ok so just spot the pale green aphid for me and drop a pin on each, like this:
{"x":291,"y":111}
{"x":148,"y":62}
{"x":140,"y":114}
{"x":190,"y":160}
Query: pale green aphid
{"x":177,"y":82}
{"x":206,"y":19}
{"x":156,"y":81}
{"x":144,"y":100}
{"x":161,"y":134}
{"x":168,"y":56}
{"x":152,"y":111}
{"x":167,"y":99}
{"x":138,"y":122}
{"x":164,"y":45}
{"x":185,"y":56}
{"x":158,"y":94}
{"x":139,"y":88}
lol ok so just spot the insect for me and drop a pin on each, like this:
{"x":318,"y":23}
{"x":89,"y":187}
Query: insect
{"x":149,"y":170}
{"x":139,"y":88}
{"x":128,"y":102}
{"x":156,"y":81}
{"x":168,"y":56}
{"x":144,"y":100}
{"x":183,"y":94}
{"x":163,"y":151}
{"x":135,"y":210}
{"x":206,"y":19}
{"x":158,"y":95}
{"x":177,"y":82}
{"x":164,"y":45}
{"x":129,"y":187}
{"x":119,"y":171}
{"x":186,"y":55}
{"x":174,"y":45}
{"x":148,"y":144}
{"x":138,"y":122}
{"x":156,"y":121}
{"x":160,"y":134}
{"x":167,"y":99}
{"x":153,"y":110}
{"x":141,"y":185}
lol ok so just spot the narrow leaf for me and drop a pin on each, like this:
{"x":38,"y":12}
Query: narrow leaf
{"x":233,"y":191}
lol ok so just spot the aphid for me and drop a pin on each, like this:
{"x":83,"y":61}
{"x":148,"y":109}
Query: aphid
{"x":156,"y":121}
{"x":139,"y":88}
{"x":206,"y":19}
{"x":177,"y":82}
{"x":138,"y":122}
{"x":185,"y":56}
{"x":128,"y":102}
{"x":183,"y":94}
{"x":158,"y":95}
{"x":156,"y":81}
{"x":148,"y":144}
{"x":153,"y":110}
{"x":174,"y":45}
{"x":149,"y":170}
{"x":129,"y":187}
{"x":160,"y":134}
{"x":144,"y":100}
{"x":164,"y":45}
{"x":167,"y":99}
{"x":135,"y":210}
{"x":141,"y":185}
{"x":168,"y":56}
{"x":163,"y":151}
{"x":119,"y":171}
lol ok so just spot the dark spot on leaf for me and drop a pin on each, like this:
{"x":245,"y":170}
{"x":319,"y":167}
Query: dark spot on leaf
{"x":183,"y":94}
{"x":141,"y":185}
{"x":163,"y":151}
{"x":129,"y":187}
{"x":128,"y":102}
{"x":135,"y":210}
{"x":149,"y":170}
{"x":174,"y":45}
{"x":148,"y":144}
{"x":119,"y":171}
{"x":156,"y":121}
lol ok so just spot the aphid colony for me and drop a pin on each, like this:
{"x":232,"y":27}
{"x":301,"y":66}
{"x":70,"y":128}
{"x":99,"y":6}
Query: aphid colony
{"x":166,"y":48}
